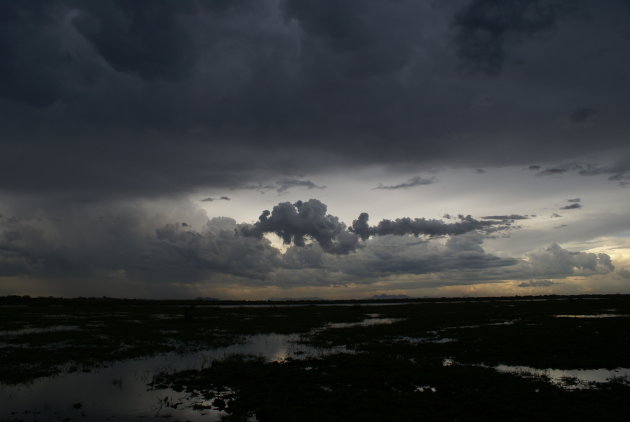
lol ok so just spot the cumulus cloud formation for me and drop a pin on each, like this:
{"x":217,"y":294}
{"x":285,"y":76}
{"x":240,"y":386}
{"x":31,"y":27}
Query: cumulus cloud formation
{"x":130,"y":244}
{"x":121,"y":245}
{"x":413,"y":182}
{"x":295,"y":222}
{"x":137,"y":245}
{"x":423,"y":226}
{"x":556,"y":261}
{"x":391,"y":254}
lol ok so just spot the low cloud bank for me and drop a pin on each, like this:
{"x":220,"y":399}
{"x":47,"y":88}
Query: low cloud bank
{"x":132,"y":245}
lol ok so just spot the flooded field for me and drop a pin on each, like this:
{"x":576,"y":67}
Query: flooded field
{"x":101,"y":359}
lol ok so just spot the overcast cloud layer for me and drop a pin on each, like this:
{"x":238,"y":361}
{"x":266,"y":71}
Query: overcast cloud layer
{"x":114,"y":113}
{"x":104,"y":98}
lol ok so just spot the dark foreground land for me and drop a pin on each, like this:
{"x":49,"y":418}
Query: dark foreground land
{"x":418,"y":360}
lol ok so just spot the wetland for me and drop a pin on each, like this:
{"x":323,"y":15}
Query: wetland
{"x":522,"y":358}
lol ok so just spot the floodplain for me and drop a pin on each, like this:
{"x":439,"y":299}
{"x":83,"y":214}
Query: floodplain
{"x":520,"y":358}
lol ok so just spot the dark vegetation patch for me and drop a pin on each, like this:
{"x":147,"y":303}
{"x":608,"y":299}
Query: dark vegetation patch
{"x":515,"y":333}
{"x":396,"y":373}
{"x":384,"y":386}
{"x":108,"y":330}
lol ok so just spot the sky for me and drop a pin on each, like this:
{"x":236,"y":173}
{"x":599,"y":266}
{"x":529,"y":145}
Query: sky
{"x":269,"y":149}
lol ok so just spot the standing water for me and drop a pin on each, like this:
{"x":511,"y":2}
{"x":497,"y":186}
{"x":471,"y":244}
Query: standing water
{"x":121,"y":392}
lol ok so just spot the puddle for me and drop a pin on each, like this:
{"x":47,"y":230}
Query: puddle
{"x":491,"y":324}
{"x":567,"y":379}
{"x":365,"y":323}
{"x":120,"y":392}
{"x":570,"y":379}
{"x":425,"y":389}
{"x":420,"y":340}
{"x":594,"y":316}
{"x":37,"y":330}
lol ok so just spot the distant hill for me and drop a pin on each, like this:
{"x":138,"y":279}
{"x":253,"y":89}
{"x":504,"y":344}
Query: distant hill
{"x":296,"y":299}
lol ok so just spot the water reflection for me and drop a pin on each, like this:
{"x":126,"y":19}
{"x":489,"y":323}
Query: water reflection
{"x":120,"y":391}
{"x":421,"y":340}
{"x":38,"y":330}
{"x":570,"y":379}
{"x":593,"y":316}
{"x":365,"y":323}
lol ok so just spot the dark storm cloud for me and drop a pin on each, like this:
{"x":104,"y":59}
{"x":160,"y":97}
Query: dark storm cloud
{"x":36,"y":68}
{"x":294,"y":223}
{"x":581,"y":115}
{"x":413,"y":182}
{"x":573,"y":206}
{"x":141,"y":38}
{"x":429,"y":227}
{"x":484,"y":27}
{"x":361,"y":227}
{"x":506,"y":217}
{"x":211,"y":199}
{"x":618,"y":177}
{"x":618,"y":171}
{"x":390,"y":254}
{"x":423,"y":226}
{"x":551,"y":262}
{"x":128,"y":244}
{"x":125,"y":98}
{"x":286,"y":184}
{"x":552,"y":171}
